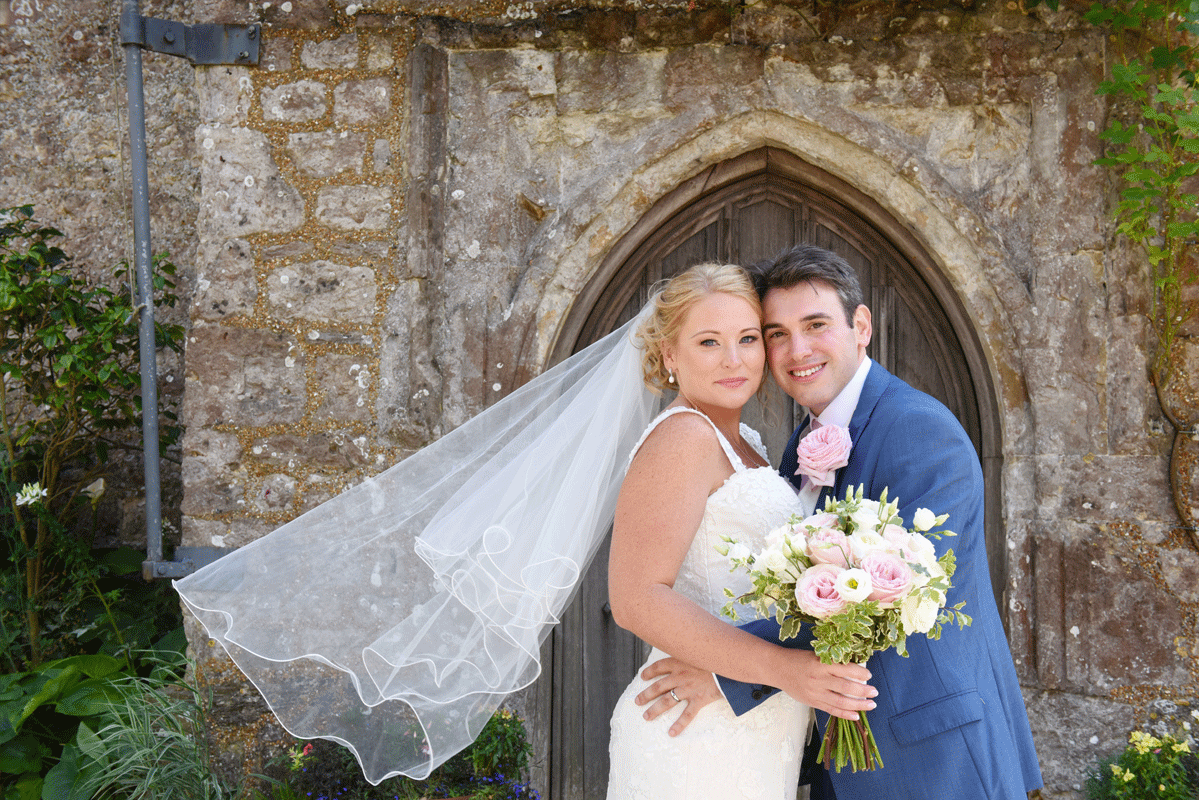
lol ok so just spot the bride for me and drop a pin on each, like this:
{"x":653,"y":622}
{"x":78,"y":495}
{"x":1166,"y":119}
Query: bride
{"x":696,"y":475}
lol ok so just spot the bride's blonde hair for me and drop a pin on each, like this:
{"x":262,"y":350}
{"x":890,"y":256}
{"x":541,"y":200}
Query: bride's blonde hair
{"x":673,"y":300}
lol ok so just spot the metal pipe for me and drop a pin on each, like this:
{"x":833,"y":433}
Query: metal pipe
{"x":132,"y":40}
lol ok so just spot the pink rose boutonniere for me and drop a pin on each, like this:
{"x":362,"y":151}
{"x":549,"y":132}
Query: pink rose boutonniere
{"x":822,"y":452}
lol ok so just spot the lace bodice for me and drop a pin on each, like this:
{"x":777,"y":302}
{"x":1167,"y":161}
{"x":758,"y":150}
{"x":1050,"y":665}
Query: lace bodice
{"x":751,"y":503}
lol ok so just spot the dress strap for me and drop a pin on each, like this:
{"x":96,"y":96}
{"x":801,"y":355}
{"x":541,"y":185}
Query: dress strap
{"x":729,"y":452}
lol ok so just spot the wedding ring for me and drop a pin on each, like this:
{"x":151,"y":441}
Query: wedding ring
{"x":675,"y":696}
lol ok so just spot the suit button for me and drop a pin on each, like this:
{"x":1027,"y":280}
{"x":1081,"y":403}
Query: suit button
{"x":756,"y":694}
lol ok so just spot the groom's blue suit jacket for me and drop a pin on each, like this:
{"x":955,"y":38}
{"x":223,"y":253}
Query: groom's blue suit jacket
{"x":950,"y":720}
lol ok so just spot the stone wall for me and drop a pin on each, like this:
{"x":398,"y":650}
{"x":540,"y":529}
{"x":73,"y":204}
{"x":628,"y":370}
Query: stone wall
{"x":398,"y":207}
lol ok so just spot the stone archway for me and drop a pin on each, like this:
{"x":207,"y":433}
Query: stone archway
{"x":740,"y":210}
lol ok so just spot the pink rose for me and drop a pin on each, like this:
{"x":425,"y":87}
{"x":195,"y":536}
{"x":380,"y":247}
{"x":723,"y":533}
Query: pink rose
{"x":896,"y":535}
{"x":828,"y":545}
{"x":889,"y":574}
{"x":822,"y":452}
{"x":816,"y":591}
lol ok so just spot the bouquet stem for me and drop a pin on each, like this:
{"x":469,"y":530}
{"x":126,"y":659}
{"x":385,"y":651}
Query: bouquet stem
{"x":850,"y":741}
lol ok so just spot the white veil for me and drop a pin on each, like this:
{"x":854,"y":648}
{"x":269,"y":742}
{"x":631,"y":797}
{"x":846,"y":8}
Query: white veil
{"x":396,"y":617}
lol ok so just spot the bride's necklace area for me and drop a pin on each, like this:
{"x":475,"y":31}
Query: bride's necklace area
{"x":747,"y":455}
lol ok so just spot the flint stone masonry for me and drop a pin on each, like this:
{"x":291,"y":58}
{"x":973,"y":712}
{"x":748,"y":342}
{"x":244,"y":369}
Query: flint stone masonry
{"x":275,"y":493}
{"x":332,"y":452}
{"x":213,"y":473}
{"x":344,"y":383}
{"x":339,"y":53}
{"x":259,"y":378}
{"x":225,"y":281}
{"x":243,"y":192}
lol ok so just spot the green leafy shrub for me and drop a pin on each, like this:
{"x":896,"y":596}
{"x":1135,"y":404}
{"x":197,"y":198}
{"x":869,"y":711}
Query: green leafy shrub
{"x":1150,"y":767}
{"x":86,"y":728}
{"x":69,"y":390}
{"x":494,"y":767}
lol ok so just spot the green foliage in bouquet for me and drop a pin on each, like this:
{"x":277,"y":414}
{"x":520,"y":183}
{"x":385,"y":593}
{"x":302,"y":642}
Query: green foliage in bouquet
{"x":855,"y":634}
{"x":1150,"y":767}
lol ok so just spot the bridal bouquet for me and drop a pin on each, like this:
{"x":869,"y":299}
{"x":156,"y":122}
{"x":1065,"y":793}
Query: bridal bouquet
{"x":865,"y":583}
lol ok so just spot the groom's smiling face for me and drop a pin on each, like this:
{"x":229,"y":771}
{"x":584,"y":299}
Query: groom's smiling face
{"x":812,"y":349}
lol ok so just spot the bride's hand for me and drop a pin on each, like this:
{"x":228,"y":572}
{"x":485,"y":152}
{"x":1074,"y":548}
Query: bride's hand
{"x":680,"y":683}
{"x":837,"y":689}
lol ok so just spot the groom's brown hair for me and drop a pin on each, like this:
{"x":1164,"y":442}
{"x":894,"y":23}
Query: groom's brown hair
{"x":806,"y":262}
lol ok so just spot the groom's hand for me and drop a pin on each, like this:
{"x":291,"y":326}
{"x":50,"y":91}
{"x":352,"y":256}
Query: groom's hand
{"x":680,"y":684}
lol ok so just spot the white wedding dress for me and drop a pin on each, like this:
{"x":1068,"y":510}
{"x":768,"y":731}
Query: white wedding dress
{"x":719,"y":756}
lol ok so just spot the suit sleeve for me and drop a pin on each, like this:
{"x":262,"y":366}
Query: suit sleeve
{"x":944,"y":476}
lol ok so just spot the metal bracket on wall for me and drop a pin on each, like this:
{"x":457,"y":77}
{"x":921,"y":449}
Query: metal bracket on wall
{"x":208,"y":44}
{"x":187,"y":560}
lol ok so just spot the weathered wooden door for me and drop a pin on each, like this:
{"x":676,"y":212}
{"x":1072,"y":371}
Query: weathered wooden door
{"x":739,"y":212}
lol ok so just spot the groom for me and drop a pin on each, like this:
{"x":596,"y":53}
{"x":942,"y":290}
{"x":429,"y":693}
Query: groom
{"x":950,"y":721}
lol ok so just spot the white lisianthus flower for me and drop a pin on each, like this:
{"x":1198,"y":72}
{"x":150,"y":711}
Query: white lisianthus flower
{"x":777,"y":536}
{"x":30,"y":493}
{"x":918,"y":615}
{"x":923,"y":519}
{"x":854,"y":585}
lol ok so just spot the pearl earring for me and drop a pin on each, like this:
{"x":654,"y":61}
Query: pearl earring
{"x":670,"y":376}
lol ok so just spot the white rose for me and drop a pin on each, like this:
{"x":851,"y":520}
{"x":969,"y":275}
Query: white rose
{"x":923,"y":519}
{"x":918,"y":615}
{"x":854,"y":585}
{"x":739,"y":552}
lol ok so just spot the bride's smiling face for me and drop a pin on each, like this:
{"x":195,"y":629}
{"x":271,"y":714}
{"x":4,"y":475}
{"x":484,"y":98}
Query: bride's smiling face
{"x":718,"y":358}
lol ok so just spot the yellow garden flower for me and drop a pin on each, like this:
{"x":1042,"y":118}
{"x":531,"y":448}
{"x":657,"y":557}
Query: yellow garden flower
{"x":1128,"y":776}
{"x":1143,"y":742}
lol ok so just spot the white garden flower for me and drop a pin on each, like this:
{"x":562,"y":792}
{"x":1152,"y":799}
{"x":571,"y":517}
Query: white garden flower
{"x":739,"y":552}
{"x":94,"y":490}
{"x":776,"y":560}
{"x":31,"y":493}
{"x":863,"y":542}
{"x":865,"y":519}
